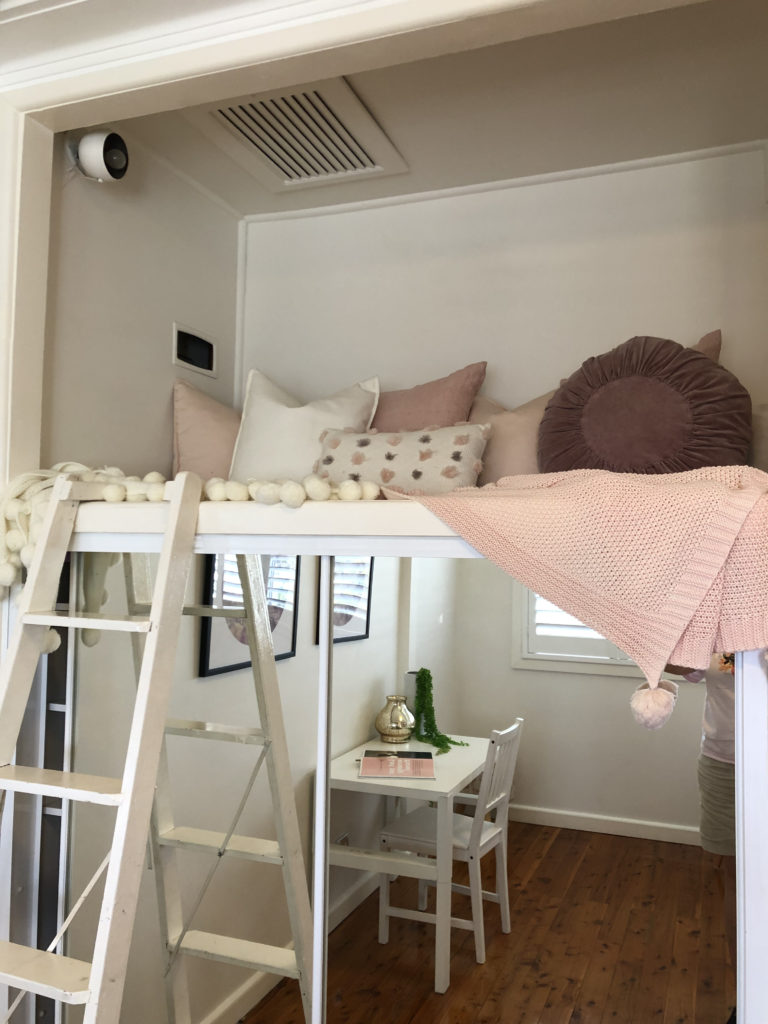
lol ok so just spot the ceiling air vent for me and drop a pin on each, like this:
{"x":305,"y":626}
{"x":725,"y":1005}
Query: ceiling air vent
{"x":310,"y":135}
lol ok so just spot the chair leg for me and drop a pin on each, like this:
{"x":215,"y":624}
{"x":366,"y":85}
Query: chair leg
{"x":383,"y":909}
{"x":422,"y":902}
{"x":476,"y":898}
{"x":502,"y":885}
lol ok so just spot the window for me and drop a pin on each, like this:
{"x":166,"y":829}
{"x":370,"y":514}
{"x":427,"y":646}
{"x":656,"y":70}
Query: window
{"x":551,"y":639}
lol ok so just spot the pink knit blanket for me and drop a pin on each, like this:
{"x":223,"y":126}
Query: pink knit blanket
{"x":669,"y":568}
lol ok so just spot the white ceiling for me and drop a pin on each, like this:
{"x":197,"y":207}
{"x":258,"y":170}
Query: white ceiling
{"x":622,"y":90}
{"x":37,"y":33}
{"x":667,"y":77}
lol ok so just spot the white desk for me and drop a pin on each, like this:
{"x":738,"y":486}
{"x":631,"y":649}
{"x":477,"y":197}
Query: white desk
{"x":453,"y":771}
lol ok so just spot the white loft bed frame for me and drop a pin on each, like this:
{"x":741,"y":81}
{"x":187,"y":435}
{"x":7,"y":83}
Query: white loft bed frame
{"x":407,"y":529}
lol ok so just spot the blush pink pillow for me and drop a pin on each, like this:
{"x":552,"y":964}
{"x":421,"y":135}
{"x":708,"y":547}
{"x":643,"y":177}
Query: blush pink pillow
{"x":511,"y":449}
{"x":439,"y":403}
{"x":204,"y":432}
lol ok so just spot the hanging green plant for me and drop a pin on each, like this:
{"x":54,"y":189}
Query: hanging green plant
{"x":425,"y":728}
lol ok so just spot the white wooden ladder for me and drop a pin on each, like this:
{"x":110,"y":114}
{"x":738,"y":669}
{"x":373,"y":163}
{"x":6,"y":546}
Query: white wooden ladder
{"x":97,"y":985}
{"x":167,"y":837}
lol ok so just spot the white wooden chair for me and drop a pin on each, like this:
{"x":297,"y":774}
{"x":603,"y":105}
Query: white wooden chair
{"x":473,"y":837}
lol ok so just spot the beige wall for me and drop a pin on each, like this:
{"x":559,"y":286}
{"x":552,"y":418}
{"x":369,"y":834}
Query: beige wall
{"x":129,"y":258}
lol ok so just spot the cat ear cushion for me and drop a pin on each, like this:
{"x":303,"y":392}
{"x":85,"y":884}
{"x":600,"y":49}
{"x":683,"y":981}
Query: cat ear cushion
{"x":652,"y":705}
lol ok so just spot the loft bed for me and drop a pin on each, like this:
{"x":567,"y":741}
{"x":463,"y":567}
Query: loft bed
{"x":716,"y":516}
{"x":411,"y":529}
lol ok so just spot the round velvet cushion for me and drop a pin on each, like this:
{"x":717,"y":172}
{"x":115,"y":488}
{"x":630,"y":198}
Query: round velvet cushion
{"x":647,"y":406}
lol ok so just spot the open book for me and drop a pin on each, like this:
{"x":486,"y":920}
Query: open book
{"x":397,"y":764}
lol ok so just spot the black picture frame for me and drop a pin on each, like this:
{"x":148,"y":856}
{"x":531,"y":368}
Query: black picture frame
{"x":221,"y":641}
{"x":352,"y":588}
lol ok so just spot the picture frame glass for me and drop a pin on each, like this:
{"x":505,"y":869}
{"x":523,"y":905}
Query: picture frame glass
{"x":223,"y":640}
{"x":352,"y":582}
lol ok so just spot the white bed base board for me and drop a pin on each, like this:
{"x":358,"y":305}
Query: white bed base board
{"x":402,"y":528}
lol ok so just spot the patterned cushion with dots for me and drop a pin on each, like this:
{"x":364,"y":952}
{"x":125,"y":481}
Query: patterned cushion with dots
{"x":430,"y":461}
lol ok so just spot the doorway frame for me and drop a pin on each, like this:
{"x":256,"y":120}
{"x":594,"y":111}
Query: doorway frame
{"x":314,"y":40}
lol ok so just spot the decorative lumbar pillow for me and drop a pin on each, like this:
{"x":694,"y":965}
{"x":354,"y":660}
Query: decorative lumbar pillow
{"x":511,"y":448}
{"x":278,"y":434}
{"x":647,"y":406}
{"x":439,"y":403}
{"x":204,"y":432}
{"x":419,"y":461}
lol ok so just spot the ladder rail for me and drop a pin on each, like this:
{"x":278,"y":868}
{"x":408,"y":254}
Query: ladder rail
{"x":138,"y":579}
{"x":121,"y":887}
{"x":278,"y":767}
{"x":21,"y":658}
{"x":181,"y":938}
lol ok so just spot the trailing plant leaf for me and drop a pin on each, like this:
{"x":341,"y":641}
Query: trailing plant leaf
{"x":424,"y":712}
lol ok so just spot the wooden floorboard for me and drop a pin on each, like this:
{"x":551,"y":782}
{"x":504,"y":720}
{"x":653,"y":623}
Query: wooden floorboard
{"x":605,"y":930}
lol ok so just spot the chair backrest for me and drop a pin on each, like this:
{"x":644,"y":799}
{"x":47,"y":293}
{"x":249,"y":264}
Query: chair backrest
{"x":496,"y":781}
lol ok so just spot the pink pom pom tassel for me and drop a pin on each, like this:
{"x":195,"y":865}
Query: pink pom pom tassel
{"x":652,"y":706}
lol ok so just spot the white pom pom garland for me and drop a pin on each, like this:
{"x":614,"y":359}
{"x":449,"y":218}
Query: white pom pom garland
{"x":24,"y":502}
{"x":317,"y":489}
{"x":292,"y":494}
{"x":350,"y":490}
{"x":236,"y":491}
{"x":268,"y":494}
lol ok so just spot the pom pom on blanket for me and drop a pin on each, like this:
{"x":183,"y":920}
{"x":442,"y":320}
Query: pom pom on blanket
{"x":652,"y":706}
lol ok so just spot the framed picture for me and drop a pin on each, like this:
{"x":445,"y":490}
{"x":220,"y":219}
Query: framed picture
{"x":352,"y":580}
{"x":223,"y":640}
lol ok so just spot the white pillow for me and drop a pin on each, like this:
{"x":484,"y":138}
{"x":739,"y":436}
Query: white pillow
{"x":279,"y":438}
{"x":416,"y":462}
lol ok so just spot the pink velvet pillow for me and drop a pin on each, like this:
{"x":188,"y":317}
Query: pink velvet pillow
{"x":439,"y":403}
{"x":204,"y":432}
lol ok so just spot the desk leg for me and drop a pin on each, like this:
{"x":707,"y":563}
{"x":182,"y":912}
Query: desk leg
{"x":443,"y":896}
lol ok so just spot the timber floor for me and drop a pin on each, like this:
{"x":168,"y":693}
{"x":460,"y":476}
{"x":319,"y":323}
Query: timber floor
{"x":605,"y":930}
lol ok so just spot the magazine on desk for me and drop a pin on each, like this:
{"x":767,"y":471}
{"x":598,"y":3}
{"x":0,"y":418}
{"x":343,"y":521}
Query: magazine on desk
{"x":397,"y":764}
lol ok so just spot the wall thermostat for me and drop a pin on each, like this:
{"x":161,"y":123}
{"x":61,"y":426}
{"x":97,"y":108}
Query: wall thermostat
{"x":193,"y":351}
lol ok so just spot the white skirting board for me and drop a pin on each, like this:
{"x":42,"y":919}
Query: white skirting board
{"x":636,"y":828}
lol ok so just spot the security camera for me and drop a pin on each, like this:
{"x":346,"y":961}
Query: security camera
{"x":102,"y":155}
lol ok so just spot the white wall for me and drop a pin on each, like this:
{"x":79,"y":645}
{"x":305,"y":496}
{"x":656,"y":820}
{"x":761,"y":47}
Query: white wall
{"x":584,"y":761}
{"x":245,"y":900}
{"x":129,"y":258}
{"x":534,"y":279}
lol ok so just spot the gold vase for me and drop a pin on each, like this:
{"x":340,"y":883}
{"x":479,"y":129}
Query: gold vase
{"x":394,"y":723}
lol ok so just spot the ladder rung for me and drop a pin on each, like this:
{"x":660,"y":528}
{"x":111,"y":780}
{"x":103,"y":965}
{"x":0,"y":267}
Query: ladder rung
{"x":202,"y":611}
{"x":248,"y":847}
{"x":46,"y":974}
{"x":89,"y":620}
{"x":90,"y":789}
{"x":255,"y":955}
{"x":215,"y":731}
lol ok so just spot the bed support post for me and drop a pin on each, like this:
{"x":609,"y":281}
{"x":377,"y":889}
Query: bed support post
{"x":751,"y":835}
{"x":320,"y":833}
